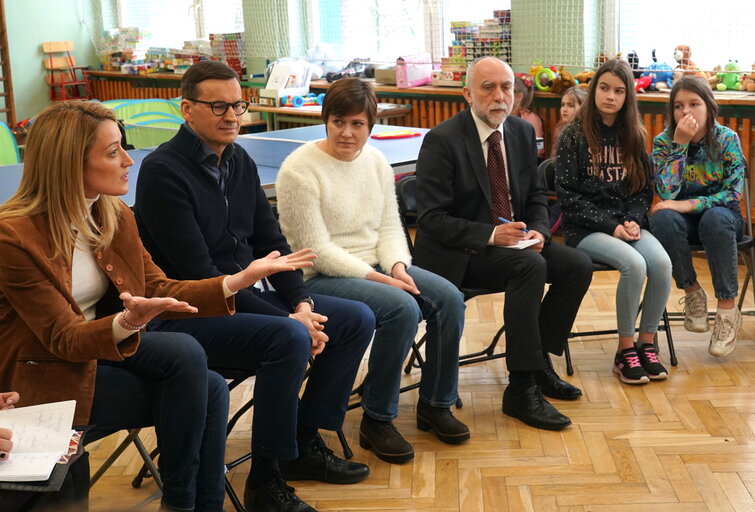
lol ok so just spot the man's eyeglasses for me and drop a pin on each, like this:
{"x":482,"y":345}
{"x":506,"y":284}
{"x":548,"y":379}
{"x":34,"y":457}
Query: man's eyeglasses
{"x":219,"y":108}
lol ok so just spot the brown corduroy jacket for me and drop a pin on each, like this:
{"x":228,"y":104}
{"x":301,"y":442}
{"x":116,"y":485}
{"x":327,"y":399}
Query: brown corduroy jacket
{"x":48,"y":351}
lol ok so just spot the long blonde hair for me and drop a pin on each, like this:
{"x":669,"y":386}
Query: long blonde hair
{"x":52,"y":184}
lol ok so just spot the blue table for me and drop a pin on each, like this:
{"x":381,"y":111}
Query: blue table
{"x":268,"y":150}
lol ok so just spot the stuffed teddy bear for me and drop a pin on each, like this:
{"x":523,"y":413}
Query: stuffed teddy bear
{"x":583,"y":78}
{"x":748,"y":81}
{"x":713,"y":78}
{"x":563,"y":81}
{"x":730,"y":77}
{"x":685,"y":66}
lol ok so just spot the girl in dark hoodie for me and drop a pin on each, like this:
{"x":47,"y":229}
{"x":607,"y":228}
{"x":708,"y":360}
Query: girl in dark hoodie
{"x":603,"y":181}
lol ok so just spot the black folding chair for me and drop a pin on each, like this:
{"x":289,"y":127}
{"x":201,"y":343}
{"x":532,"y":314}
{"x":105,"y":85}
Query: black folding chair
{"x":406,"y":191}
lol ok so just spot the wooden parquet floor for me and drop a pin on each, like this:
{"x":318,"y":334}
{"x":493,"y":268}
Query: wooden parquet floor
{"x":686,"y":444}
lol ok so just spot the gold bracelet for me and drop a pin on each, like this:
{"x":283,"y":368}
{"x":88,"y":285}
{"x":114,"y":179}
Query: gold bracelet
{"x":127,"y":325}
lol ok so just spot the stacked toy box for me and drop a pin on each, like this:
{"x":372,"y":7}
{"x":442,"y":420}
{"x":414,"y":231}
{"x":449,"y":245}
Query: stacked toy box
{"x":229,"y":48}
{"x":473,"y":40}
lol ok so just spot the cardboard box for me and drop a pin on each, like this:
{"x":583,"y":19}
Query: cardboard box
{"x":414,"y":70}
{"x":386,"y":75}
{"x":287,"y":78}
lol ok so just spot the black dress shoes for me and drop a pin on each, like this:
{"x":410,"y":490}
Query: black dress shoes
{"x":441,"y":421}
{"x":274,"y":496}
{"x":318,"y":462}
{"x":533,"y":409}
{"x":554,"y":386}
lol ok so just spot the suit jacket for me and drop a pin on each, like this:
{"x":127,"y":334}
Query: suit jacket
{"x":48,"y":351}
{"x":453,"y":192}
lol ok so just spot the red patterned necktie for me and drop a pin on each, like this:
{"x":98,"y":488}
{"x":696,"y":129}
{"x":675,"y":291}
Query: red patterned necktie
{"x":499,"y":184}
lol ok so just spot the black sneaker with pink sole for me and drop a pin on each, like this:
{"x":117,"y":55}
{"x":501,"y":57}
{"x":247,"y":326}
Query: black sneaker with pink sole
{"x":650,"y":362}
{"x":628,"y":367}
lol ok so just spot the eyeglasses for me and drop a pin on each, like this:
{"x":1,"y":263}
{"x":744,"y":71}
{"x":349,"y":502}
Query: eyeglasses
{"x":219,"y":108}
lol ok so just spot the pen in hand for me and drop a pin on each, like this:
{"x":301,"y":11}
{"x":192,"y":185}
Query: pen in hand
{"x":507,"y":221}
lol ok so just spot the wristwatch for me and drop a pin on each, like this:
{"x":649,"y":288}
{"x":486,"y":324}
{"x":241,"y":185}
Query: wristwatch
{"x":308,"y":300}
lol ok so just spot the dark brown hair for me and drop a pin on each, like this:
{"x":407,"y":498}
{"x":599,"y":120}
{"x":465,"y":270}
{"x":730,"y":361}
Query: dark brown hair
{"x":350,"y":96}
{"x":204,"y":70}
{"x":630,"y":132}
{"x":700,"y":86}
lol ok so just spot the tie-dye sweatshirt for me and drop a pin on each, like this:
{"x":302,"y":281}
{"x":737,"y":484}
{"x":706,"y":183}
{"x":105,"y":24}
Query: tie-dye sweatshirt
{"x":687,"y":172}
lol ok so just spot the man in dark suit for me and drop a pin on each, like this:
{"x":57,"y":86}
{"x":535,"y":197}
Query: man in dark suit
{"x":466,"y":183}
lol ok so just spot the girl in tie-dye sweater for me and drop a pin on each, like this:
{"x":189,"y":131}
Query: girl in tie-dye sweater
{"x":699,"y":178}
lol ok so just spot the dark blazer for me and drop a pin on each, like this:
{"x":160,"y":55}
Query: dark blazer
{"x":453,"y":192}
{"x":48,"y":351}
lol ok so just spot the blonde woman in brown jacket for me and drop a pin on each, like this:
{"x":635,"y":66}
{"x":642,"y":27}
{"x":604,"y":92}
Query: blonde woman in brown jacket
{"x":77,"y":289}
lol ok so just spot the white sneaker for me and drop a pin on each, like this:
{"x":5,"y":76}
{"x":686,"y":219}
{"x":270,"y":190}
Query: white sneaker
{"x":723,"y":341}
{"x":695,"y":311}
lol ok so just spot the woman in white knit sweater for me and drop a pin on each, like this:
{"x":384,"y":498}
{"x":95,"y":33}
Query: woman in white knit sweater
{"x":337,"y":196}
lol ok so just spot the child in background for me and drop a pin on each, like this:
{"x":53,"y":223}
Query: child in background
{"x":570,"y":103}
{"x":524,"y":91}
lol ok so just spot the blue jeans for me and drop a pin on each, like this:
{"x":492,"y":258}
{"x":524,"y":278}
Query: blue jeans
{"x":166,"y":384}
{"x":398,"y":314}
{"x":634,"y":260}
{"x":718,"y":229}
{"x":277,"y":349}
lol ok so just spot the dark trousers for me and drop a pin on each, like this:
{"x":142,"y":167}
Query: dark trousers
{"x":277,"y":350}
{"x":166,"y":384}
{"x":533,"y":323}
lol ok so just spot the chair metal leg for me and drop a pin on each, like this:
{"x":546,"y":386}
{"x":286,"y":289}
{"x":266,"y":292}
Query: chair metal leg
{"x":132,"y":434}
{"x":567,"y":356}
{"x":415,"y":360}
{"x":749,"y":260}
{"x":669,"y":339}
{"x":347,"y":453}
{"x":233,"y":496}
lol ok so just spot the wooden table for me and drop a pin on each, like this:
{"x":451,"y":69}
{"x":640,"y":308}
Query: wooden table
{"x":312,"y":114}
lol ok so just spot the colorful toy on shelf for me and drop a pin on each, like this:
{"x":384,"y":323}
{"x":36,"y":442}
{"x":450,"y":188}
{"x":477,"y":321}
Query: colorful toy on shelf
{"x":563,"y":81}
{"x":300,"y":101}
{"x":731,"y":79}
{"x":748,"y":81}
{"x":660,"y":73}
{"x":583,"y":78}
{"x":642,"y":84}
{"x":543,"y":76}
{"x":685,"y":66}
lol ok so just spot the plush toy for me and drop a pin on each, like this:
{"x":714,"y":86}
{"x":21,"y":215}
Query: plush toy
{"x":730,"y":77}
{"x":713,"y":78}
{"x":685,"y":66}
{"x":748,"y":81}
{"x":643,"y":83}
{"x":583,"y":78}
{"x":563,"y":81}
{"x":660,"y":74}
{"x":634,"y":63}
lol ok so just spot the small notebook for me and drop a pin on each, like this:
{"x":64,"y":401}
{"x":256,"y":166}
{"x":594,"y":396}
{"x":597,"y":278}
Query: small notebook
{"x":522,"y":244}
{"x":41,"y":435}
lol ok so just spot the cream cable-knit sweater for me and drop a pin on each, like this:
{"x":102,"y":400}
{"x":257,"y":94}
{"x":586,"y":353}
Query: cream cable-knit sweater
{"x":345,"y":211}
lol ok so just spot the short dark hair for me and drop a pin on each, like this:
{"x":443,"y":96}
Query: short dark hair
{"x":205,"y":70}
{"x":350,"y":96}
